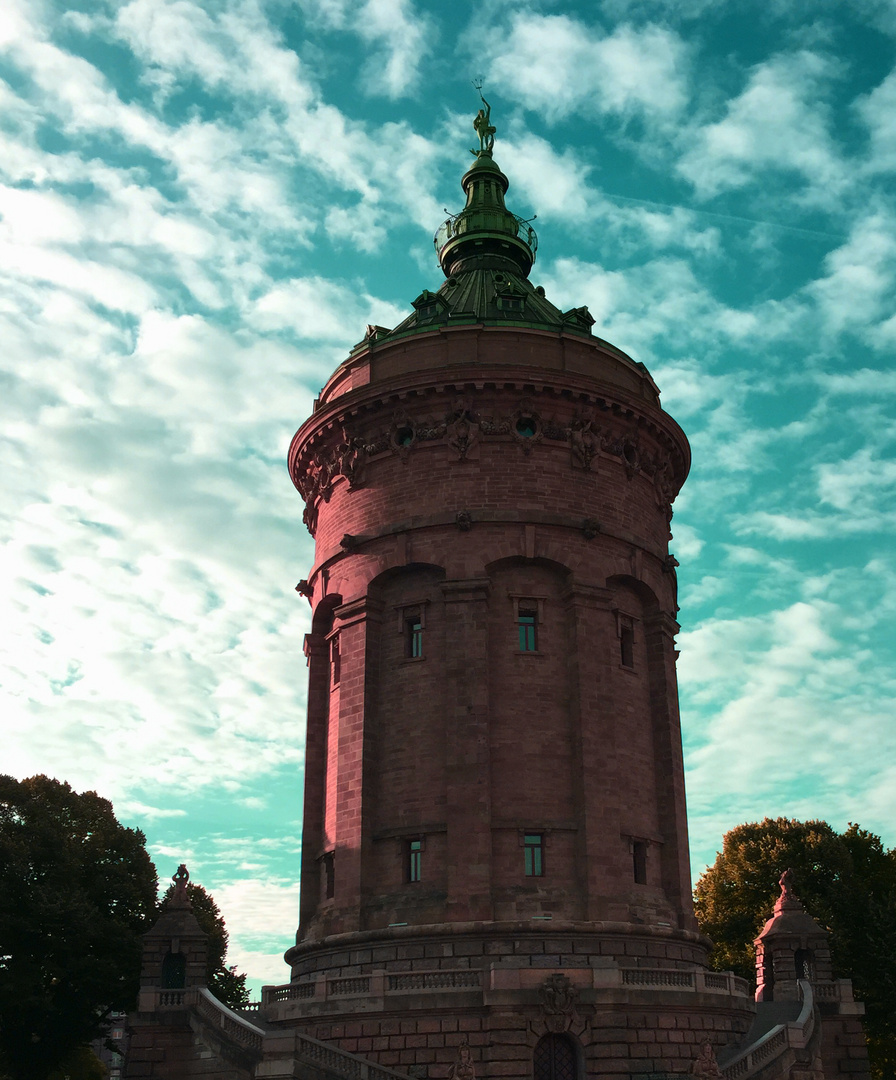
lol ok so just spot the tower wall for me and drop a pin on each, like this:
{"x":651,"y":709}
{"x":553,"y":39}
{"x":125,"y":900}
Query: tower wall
{"x":461,"y":498}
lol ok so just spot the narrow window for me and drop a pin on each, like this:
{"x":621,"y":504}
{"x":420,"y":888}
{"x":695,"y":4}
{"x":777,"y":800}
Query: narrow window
{"x":803,"y":961}
{"x":639,"y":861}
{"x":413,"y":637}
{"x":174,"y":971}
{"x":329,"y":875}
{"x":415,"y":859}
{"x":527,"y":624}
{"x":533,"y":853}
{"x":627,"y":646}
{"x":335,"y":661}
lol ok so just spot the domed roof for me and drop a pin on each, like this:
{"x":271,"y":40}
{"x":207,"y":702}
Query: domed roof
{"x":486,"y":253}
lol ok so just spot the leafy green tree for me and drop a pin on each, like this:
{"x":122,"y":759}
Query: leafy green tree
{"x":81,"y":1064}
{"x":77,"y":889}
{"x":847,"y":883}
{"x":223,"y":981}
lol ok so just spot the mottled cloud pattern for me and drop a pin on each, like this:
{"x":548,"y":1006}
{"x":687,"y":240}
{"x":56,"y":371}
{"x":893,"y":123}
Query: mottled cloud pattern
{"x":202,"y":205}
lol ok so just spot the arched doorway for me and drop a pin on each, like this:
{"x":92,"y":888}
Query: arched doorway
{"x":555,"y":1058}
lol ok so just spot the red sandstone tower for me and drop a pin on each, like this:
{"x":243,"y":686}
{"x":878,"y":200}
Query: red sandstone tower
{"x":494,"y":859}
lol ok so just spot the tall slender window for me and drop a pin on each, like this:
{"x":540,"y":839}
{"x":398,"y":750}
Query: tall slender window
{"x":639,"y":861}
{"x":415,"y":859}
{"x":413,"y":629}
{"x":335,"y":663}
{"x":527,"y":625}
{"x":627,"y":645}
{"x":533,"y":854}
{"x":328,"y":865}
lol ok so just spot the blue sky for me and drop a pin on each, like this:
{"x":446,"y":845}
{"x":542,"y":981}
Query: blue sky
{"x":203,"y":204}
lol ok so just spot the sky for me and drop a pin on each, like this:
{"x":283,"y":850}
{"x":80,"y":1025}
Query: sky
{"x":204,"y":202}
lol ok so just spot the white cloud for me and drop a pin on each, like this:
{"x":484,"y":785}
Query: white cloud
{"x":687,"y":542}
{"x":859,"y":485}
{"x":876,"y":110}
{"x":397,"y":35}
{"x":781,"y":715}
{"x":401,"y":35}
{"x":859,"y":288}
{"x":557,"y":65}
{"x":261,"y":914}
{"x":779,"y":124}
{"x":323,"y":310}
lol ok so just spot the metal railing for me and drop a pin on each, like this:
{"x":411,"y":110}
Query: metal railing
{"x":458,"y":226}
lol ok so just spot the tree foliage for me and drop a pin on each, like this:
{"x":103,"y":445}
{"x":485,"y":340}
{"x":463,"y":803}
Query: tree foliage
{"x":77,"y":889}
{"x":847,"y":883}
{"x":223,"y":981}
{"x":77,"y":892}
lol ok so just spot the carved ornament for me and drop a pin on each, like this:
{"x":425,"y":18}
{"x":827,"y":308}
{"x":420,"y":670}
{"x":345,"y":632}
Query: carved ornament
{"x":558,"y":1002}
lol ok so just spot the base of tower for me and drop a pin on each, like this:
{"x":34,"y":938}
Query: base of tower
{"x":623,"y":999}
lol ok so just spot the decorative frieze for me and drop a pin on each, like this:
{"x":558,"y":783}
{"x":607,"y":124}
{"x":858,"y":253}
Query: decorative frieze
{"x":463,"y":427}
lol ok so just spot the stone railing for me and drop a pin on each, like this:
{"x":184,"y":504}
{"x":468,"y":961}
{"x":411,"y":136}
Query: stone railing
{"x":340,"y":1063}
{"x":659,"y":977}
{"x":775,"y":1042}
{"x":460,"y":979}
{"x":376,"y":984}
{"x":837,"y":990}
{"x":171,"y":998}
{"x":290,"y":992}
{"x":703,"y":982}
{"x":234,"y":1027}
{"x":381,"y":984}
{"x":205,"y":1009}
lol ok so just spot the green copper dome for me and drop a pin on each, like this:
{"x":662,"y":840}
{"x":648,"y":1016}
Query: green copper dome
{"x":485,"y":227}
{"x":486,"y":253}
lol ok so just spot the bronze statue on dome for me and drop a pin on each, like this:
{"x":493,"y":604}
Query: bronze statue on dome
{"x":483,"y":124}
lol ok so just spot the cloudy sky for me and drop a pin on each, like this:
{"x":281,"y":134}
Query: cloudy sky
{"x":201,"y":206}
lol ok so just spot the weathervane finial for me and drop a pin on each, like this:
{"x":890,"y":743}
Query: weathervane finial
{"x":483,"y":122}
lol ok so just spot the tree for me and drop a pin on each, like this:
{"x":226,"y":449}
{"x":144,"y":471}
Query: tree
{"x":81,"y":1064}
{"x":847,"y":883}
{"x":223,"y":981}
{"x":77,"y":889}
